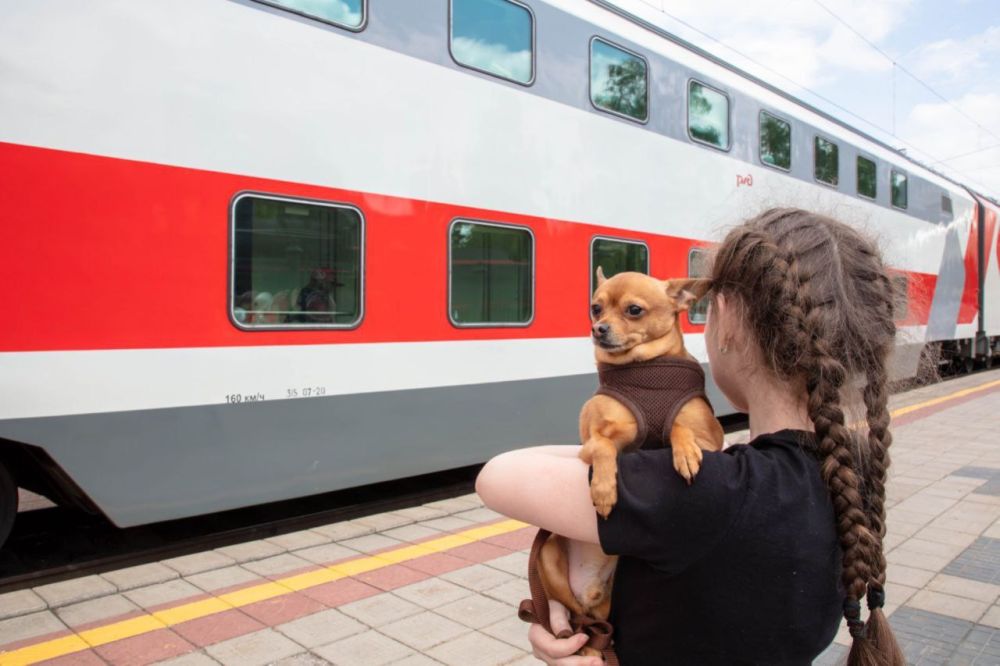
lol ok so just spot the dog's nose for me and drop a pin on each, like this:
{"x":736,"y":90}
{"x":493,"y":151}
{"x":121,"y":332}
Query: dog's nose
{"x":601,"y":330}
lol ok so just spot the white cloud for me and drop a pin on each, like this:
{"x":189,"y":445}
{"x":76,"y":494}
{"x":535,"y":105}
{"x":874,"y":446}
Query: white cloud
{"x":961,"y":58}
{"x":493,"y":57}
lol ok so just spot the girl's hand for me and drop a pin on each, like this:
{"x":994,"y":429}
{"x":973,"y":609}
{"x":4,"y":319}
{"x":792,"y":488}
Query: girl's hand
{"x":559,"y":651}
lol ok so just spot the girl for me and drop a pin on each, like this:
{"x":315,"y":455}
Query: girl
{"x":775,"y":541}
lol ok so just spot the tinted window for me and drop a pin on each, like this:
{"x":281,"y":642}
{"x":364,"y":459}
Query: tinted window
{"x":946,"y":203}
{"x":295,"y":264}
{"x":698,"y":267}
{"x":617,"y":80}
{"x":348,"y":13}
{"x":615,"y":256}
{"x":493,"y":36}
{"x":491,"y":274}
{"x":866,"y":178}
{"x":708,"y":115}
{"x":775,"y":141}
{"x":827,"y":161}
{"x":898,"y":189}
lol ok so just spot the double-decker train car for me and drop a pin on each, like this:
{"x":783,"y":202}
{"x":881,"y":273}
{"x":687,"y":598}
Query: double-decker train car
{"x":256,"y":250}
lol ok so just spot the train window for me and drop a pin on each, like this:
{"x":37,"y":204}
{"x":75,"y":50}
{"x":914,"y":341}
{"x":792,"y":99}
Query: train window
{"x":898,"y":182}
{"x":495,"y":37}
{"x":616,"y":256}
{"x":946,"y":204}
{"x":708,"y":115}
{"x":866,"y":177}
{"x":296,"y":264}
{"x":827,"y":162}
{"x":491,"y":276}
{"x":698,"y":266}
{"x":901,"y":297}
{"x":618,"y":80}
{"x":775,"y":141}
{"x":344,"y":13}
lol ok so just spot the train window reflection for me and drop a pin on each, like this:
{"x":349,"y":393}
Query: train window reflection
{"x":296,"y":264}
{"x":775,"y":141}
{"x":827,"y":162}
{"x":898,"y":181}
{"x":346,"y":13}
{"x":708,"y":115}
{"x":866,"y":177}
{"x":616,"y":256}
{"x":618,"y":80}
{"x":698,"y":266}
{"x":491,"y":276}
{"x":493,"y":36}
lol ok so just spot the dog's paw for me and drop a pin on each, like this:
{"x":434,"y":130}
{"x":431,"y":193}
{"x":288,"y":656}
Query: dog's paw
{"x":687,"y":461}
{"x":604,"y":495}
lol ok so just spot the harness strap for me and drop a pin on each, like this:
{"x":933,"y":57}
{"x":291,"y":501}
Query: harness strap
{"x":536,"y":609}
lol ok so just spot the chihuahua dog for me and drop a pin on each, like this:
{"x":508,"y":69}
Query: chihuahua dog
{"x":635,"y":321}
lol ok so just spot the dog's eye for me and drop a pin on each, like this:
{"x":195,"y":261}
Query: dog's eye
{"x":634,"y":310}
{"x":595,"y":310}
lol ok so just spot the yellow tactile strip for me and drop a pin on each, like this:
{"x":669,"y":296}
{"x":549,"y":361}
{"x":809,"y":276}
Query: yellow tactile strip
{"x":115,"y":631}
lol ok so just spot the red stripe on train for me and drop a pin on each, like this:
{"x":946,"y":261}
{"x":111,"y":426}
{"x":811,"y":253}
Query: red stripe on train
{"x":107,"y":253}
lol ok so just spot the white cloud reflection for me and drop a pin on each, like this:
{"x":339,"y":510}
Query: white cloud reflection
{"x":493,"y":57}
{"x":346,"y":12}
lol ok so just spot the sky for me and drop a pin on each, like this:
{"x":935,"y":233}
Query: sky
{"x":949,"y":119}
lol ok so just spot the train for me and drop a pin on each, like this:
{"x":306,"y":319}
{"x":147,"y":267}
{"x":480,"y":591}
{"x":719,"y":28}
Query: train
{"x":263,"y":249}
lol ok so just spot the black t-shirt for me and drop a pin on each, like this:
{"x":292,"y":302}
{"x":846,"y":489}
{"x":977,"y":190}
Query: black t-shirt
{"x":741,"y":567}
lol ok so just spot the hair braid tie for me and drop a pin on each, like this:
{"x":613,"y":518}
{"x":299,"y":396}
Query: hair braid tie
{"x":852,"y":613}
{"x":875,"y":596}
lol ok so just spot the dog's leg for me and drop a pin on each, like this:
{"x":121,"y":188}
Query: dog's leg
{"x":606,"y":427}
{"x":553,"y":569}
{"x":695,"y":429}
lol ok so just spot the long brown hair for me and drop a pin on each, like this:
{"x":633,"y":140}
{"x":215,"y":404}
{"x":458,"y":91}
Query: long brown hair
{"x":818,"y":301}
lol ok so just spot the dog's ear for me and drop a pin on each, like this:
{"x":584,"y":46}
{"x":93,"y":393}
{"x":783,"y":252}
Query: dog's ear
{"x":687,"y":291}
{"x":600,"y":276}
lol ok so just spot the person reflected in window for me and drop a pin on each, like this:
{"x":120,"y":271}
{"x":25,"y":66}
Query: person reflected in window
{"x":315,"y":300}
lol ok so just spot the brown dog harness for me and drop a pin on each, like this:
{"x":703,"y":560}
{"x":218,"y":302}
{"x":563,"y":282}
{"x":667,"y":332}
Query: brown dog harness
{"x":654,"y":391}
{"x":536,"y":609}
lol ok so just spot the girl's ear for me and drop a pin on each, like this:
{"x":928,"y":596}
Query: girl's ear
{"x":686,"y":291}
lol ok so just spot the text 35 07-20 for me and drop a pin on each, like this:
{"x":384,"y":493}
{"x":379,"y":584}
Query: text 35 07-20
{"x":306,"y":392}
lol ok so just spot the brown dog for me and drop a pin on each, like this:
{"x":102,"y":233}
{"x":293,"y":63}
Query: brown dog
{"x":635,"y":318}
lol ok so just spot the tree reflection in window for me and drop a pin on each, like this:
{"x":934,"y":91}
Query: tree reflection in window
{"x":866,"y":177}
{"x":827,"y":161}
{"x":348,"y":13}
{"x":493,"y":36}
{"x":775,"y":141}
{"x":616,"y":256}
{"x":618,"y":80}
{"x":491,"y":275}
{"x":708,"y":115}
{"x":898,"y":189}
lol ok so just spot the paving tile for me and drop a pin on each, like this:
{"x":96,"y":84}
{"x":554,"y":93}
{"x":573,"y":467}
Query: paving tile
{"x":380,"y":609}
{"x":478,"y":552}
{"x":511,"y":630}
{"x":447,"y":524}
{"x":20,"y":602}
{"x":171,"y":591}
{"x":321,"y":628}
{"x":926,"y":637}
{"x":256,"y":649}
{"x":326,"y":554}
{"x":980,"y":561}
{"x":298,"y":540}
{"x":423,"y":630}
{"x":965,"y":587}
{"x":370,"y":648}
{"x":139,"y":576}
{"x":71,"y":591}
{"x":991,"y":618}
{"x":474,"y":649}
{"x":198,"y":562}
{"x":344,"y":530}
{"x":437,"y":564}
{"x":340,"y":592}
{"x":475,"y":611}
{"x":412,"y":533}
{"x":279,"y":565}
{"x":82,"y":658}
{"x":392,"y":577}
{"x":144,"y":649}
{"x":251,"y":550}
{"x":223,"y":579}
{"x":282,"y":609}
{"x":903,"y":555}
{"x":911,"y":576}
{"x":301,"y":659}
{"x":941,"y":535}
{"x":511,"y":592}
{"x":189,"y":659}
{"x":480,"y":515}
{"x":29,"y":626}
{"x":217,"y":627}
{"x":455,"y":504}
{"x":478,"y":577}
{"x":432,"y":593}
{"x":516,"y":540}
{"x":526,"y":660}
{"x":420,"y":512}
{"x":371,"y":543}
{"x":980,"y":646}
{"x":419,"y":660}
{"x":86,"y":612}
{"x":513,"y":563}
{"x":948,"y":604}
{"x":384,"y":521}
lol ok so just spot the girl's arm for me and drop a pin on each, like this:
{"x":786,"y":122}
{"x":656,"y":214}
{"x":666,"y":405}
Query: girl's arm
{"x":546,"y":486}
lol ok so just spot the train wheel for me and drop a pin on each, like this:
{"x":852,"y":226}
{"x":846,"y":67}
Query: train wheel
{"x":8,"y":503}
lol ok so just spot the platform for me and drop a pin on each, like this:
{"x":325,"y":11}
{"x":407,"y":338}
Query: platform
{"x":439,"y":583}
